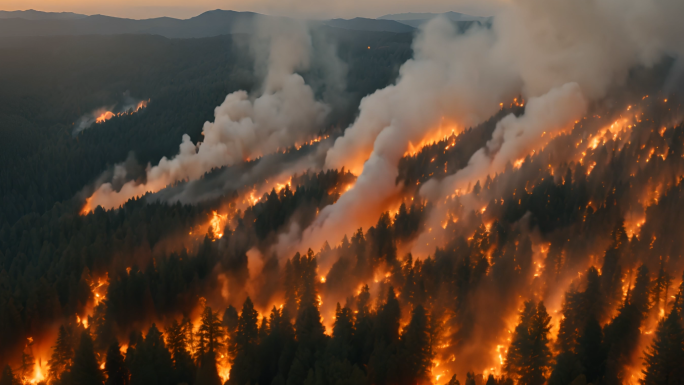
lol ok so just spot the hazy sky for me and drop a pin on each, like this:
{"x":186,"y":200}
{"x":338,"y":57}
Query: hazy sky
{"x":140,"y":9}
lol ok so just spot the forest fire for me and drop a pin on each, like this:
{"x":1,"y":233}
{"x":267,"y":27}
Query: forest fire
{"x":107,"y":115}
{"x":509,"y":218}
{"x":104,"y":117}
{"x":218,"y":221}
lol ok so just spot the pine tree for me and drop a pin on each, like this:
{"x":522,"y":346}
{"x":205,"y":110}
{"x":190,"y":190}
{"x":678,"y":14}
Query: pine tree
{"x":115,"y":369}
{"x":679,"y":298}
{"x":341,"y":345}
{"x":188,"y":329}
{"x":592,"y":352}
{"x":86,"y":370}
{"x":664,"y":359}
{"x":210,"y":334}
{"x":291,"y":284}
{"x":310,"y":331}
{"x":244,"y":367}
{"x":520,"y":343}
{"x":640,"y":294}
{"x":176,"y":341}
{"x":8,"y":378}
{"x":158,"y":355}
{"x":62,"y":355}
{"x":247,"y":330}
{"x":387,"y":320}
{"x":540,"y":360}
{"x":27,"y":361}
{"x":382,"y":364}
{"x":148,"y":359}
{"x":207,"y":373}
{"x":622,"y":336}
{"x":529,"y":356}
{"x":363,"y":334}
{"x":416,"y":352}
{"x":567,"y":332}
{"x":611,"y":270}
{"x":275,"y":351}
{"x":660,"y":288}
{"x":307,"y":291}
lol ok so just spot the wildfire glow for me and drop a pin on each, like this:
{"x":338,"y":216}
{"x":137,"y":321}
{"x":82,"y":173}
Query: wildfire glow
{"x":218,"y":223}
{"x":442,"y":132}
{"x":106,"y":115}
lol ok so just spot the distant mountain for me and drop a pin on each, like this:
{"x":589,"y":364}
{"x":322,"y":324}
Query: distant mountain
{"x":415,"y":20}
{"x":212,"y":23}
{"x":363,"y":24}
{"x":32,"y":14}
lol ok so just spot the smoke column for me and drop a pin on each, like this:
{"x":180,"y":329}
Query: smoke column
{"x":533,"y":47}
{"x":515,"y":137}
{"x":285,"y":113}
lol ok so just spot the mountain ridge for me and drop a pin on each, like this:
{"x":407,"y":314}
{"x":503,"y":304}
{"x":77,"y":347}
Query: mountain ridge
{"x":207,"y":24}
{"x":416,"y":20}
{"x":32,"y":14}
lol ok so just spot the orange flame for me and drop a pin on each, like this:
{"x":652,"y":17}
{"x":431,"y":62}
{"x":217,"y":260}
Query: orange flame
{"x":217,"y":223}
{"x":104,"y":116}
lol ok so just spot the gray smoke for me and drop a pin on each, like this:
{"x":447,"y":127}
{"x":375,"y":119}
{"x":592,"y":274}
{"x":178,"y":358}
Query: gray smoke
{"x":285,"y":113}
{"x":456,"y":81}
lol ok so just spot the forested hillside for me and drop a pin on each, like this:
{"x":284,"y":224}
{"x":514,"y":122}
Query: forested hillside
{"x":482,"y":202}
{"x":50,"y":82}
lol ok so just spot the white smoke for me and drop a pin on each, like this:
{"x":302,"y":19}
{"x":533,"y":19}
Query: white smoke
{"x":533,"y":47}
{"x":127,"y":105}
{"x":515,"y":137}
{"x":285,"y":113}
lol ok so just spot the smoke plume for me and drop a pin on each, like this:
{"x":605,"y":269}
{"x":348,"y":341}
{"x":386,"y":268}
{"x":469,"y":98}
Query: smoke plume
{"x":515,"y":137}
{"x":128,"y":105}
{"x":284,"y":113}
{"x":456,"y":81}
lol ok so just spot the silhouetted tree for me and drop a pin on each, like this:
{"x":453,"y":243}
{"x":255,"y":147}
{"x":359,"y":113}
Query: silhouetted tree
{"x":8,"y":378}
{"x":415,"y":352}
{"x":529,"y":356}
{"x":62,"y":355}
{"x":245,"y":367}
{"x":183,"y":365}
{"x":663,"y":360}
{"x":210,"y":334}
{"x":115,"y":368}
{"x":86,"y":370}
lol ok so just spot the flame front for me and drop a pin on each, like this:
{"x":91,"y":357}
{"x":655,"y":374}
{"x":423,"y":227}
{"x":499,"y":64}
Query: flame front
{"x":218,"y":222}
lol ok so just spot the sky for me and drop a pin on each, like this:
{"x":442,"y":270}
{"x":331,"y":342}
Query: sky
{"x":141,"y":9}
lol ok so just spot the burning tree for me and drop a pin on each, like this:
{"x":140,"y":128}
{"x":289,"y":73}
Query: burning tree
{"x":529,"y":357}
{"x":663,"y":362}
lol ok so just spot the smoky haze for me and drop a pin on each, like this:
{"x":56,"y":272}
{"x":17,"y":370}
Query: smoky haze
{"x":540,"y":101}
{"x":531,"y":48}
{"x":296,"y":9}
{"x":284,"y":113}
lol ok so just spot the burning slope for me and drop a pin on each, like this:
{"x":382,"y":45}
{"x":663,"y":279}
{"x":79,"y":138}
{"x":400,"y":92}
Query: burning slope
{"x":546,"y":223}
{"x":284,"y":114}
{"x":550,"y":231}
{"x":532,"y":48}
{"x":104,"y":116}
{"x":101,"y":115}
